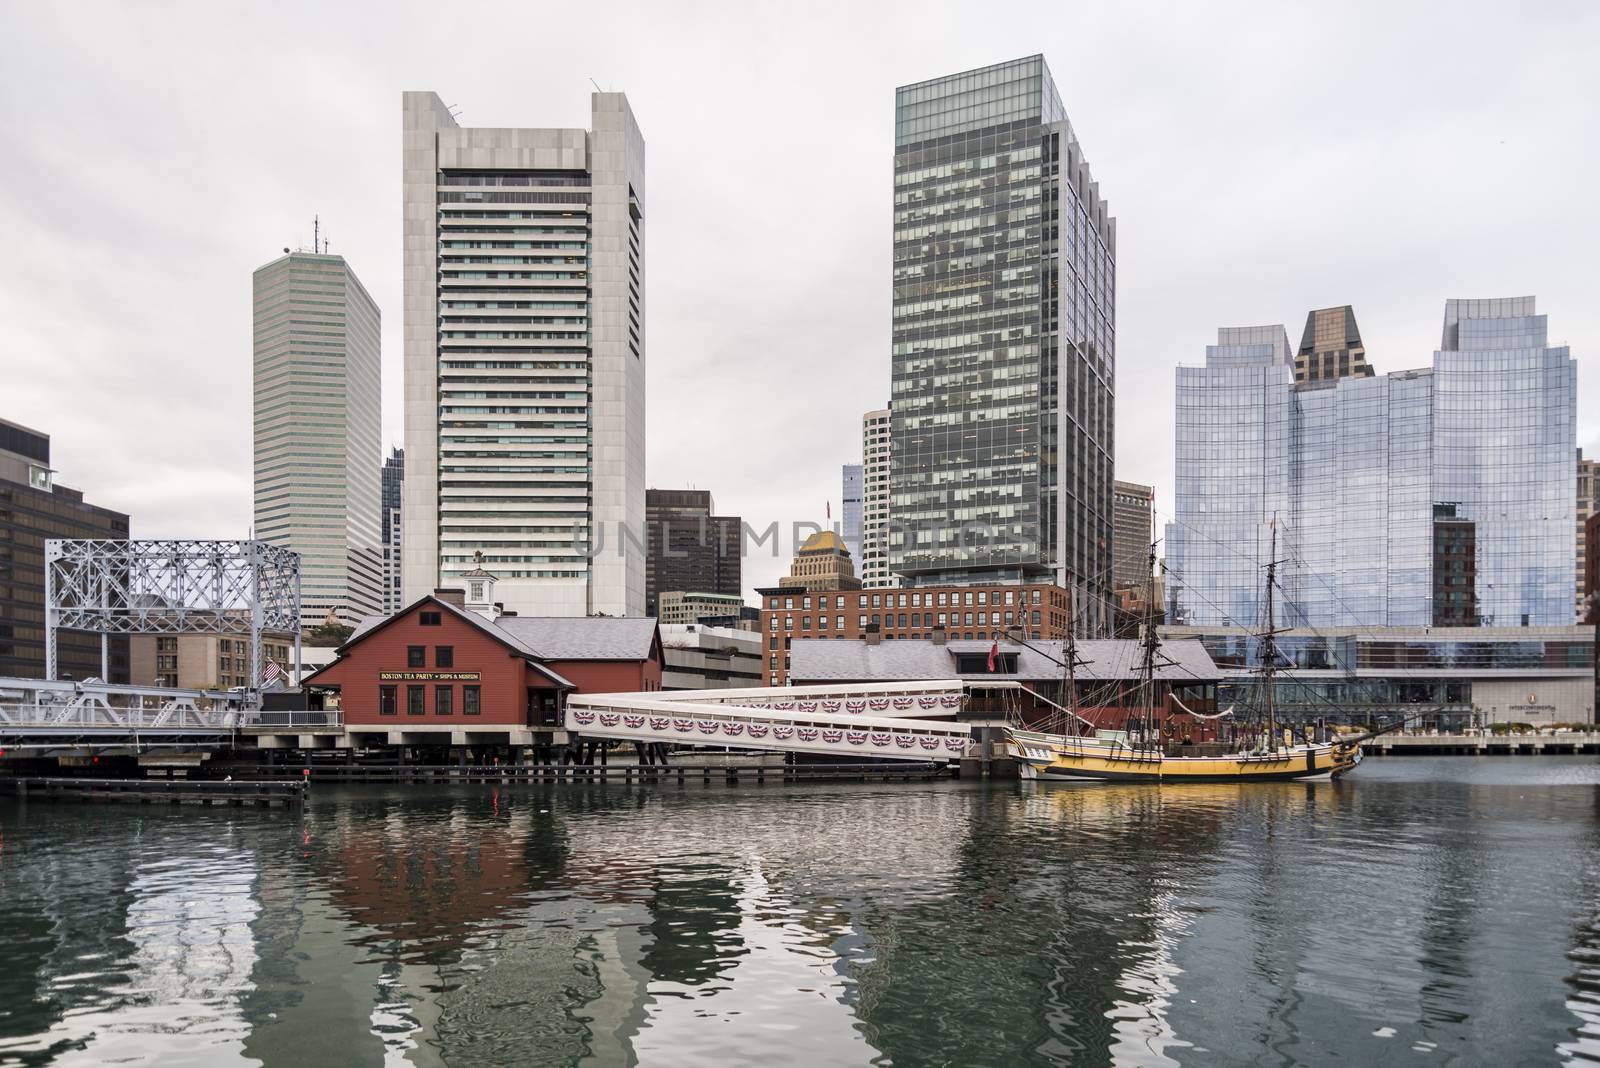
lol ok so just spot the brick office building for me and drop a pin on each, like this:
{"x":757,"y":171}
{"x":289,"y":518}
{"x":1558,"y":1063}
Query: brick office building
{"x":975,"y":613}
{"x":442,"y":672}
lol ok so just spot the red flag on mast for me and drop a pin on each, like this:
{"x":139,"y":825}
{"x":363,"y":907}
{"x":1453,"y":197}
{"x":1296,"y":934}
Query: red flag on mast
{"x":994,"y":653}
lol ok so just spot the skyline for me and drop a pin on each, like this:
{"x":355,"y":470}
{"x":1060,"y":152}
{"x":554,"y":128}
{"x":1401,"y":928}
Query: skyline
{"x":150,"y":413}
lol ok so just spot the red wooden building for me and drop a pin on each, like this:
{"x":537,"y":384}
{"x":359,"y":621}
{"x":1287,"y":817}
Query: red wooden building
{"x":436,"y":673}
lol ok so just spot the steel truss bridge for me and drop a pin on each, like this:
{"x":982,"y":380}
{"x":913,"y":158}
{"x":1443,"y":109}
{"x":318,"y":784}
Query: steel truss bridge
{"x":40,"y":715}
{"x":884,"y":721}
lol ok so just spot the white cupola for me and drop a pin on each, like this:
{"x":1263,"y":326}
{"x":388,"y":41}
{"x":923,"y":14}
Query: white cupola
{"x":478,"y":586}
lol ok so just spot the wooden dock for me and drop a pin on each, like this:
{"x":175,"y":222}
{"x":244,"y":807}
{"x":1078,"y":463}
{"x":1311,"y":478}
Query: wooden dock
{"x":288,"y":794}
{"x":680,"y":774}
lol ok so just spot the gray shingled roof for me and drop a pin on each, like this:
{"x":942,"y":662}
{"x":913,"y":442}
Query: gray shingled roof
{"x":557,"y":637}
{"x":582,"y":638}
{"x":369,"y":622}
{"x":823,"y":660}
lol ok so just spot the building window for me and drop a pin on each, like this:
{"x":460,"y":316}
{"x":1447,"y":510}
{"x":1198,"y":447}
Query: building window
{"x":838,"y":602}
{"x":471,"y":701}
{"x":428,"y":619}
{"x":983,"y":596}
{"x":861,"y":601}
{"x":805,"y":622}
{"x":838,"y":622}
{"x":415,"y":700}
{"x":788,"y":622}
{"x":861,"y":621}
{"x":386,"y":699}
{"x":1035,"y":596}
{"x":788,"y":602}
{"x":444,"y":656}
{"x":805,"y":602}
{"x":477,"y":592}
{"x":443,"y":701}
{"x":416,"y":656}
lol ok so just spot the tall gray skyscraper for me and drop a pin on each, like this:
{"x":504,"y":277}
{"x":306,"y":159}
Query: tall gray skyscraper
{"x":850,"y":491}
{"x":317,"y":415}
{"x":525,"y":358}
{"x":1431,"y":497}
{"x":1004,"y":339}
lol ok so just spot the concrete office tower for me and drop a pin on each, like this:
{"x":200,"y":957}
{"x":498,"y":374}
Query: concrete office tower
{"x":1132,"y":524}
{"x":33,"y":509}
{"x":394,"y":478}
{"x":1331,"y":348}
{"x":850,"y":495}
{"x":525,"y":359}
{"x":1588,"y":505}
{"x":690,"y":549}
{"x":318,"y":453}
{"x":1004,"y":339}
{"x":1451,"y":501}
{"x":875,"y":452}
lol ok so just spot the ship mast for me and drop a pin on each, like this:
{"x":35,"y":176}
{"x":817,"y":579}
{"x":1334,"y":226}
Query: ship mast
{"x":1150,"y":642}
{"x":1269,"y":644}
{"x":1071,"y":658}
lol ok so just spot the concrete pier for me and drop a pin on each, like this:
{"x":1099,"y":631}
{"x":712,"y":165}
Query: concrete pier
{"x":1560,"y":743}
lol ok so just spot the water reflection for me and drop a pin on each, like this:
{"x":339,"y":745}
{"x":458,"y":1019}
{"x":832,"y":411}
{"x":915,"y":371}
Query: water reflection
{"x":1412,"y":911}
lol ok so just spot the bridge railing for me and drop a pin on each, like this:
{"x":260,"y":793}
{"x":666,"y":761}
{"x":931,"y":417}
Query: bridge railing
{"x":295,"y":720}
{"x":658,"y":717}
{"x":98,"y":715}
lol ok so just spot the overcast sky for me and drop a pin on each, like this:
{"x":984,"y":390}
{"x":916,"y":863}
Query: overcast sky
{"x":1261,"y":161}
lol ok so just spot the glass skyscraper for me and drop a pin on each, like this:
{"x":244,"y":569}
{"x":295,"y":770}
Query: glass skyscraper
{"x":1367,"y":478}
{"x":1004,"y":338}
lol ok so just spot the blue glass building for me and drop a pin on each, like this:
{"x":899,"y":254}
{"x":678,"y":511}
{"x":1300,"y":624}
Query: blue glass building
{"x":1364,"y":476}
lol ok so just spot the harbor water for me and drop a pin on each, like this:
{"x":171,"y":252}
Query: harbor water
{"x":1427,"y":911}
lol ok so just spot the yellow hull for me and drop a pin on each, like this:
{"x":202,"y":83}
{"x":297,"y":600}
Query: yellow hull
{"x":1090,"y":759}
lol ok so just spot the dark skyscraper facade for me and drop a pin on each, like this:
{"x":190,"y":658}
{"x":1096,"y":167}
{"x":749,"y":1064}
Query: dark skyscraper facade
{"x":689,"y":549}
{"x":394,"y":479}
{"x":34,"y":509}
{"x":1004,"y":339}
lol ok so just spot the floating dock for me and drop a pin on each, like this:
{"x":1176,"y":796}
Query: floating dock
{"x":159,"y":791}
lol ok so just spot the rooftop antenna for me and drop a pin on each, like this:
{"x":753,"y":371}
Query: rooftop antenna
{"x":316,"y":235}
{"x":596,"y":86}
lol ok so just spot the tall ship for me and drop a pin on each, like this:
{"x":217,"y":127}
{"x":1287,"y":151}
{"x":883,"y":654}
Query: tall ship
{"x":1252,"y":747}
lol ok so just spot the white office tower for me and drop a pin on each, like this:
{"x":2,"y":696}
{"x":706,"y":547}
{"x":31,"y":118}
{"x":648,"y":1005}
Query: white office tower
{"x":317,"y":445}
{"x":874,"y":562}
{"x":525,"y":359}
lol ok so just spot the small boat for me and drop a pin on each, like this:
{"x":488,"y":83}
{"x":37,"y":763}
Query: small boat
{"x":1264,"y":753}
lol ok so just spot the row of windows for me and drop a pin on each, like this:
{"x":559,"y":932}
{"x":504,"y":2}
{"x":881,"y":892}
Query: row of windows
{"x":444,"y":656}
{"x":887,"y":600}
{"x":443,"y":700}
{"x":918,"y":619}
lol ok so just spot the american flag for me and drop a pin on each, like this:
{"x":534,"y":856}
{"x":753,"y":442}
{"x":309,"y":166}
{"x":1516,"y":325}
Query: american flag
{"x":271,"y":671}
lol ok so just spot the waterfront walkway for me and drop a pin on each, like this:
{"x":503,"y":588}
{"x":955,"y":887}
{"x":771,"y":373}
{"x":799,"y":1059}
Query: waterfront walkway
{"x":1561,"y":742}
